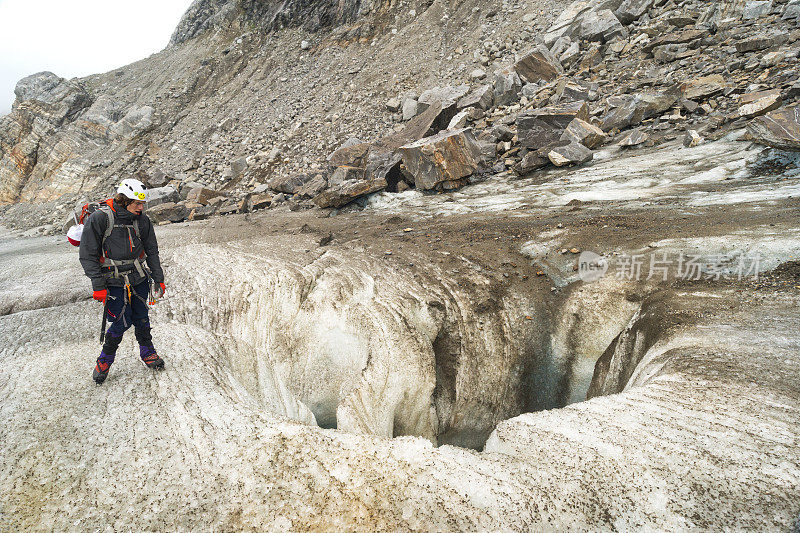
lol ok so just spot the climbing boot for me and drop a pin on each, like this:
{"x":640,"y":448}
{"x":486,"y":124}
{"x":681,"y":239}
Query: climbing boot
{"x":151,"y":358}
{"x":100,"y":371}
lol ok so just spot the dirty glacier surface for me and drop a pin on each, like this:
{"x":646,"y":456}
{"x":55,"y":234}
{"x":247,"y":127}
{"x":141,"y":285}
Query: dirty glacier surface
{"x":321,"y":387}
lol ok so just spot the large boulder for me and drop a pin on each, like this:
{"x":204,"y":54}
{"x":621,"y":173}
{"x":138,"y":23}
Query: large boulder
{"x":435,"y":118}
{"x":482,"y":98}
{"x":569,"y":154}
{"x":287,"y":183}
{"x":630,"y":109}
{"x":410,"y":108}
{"x":631,"y":10}
{"x":531,"y":161}
{"x":633,"y":138}
{"x":161,"y":195}
{"x":447,"y":96}
{"x":442,"y":160}
{"x":792,"y":10}
{"x":345,"y":173}
{"x":570,"y":19}
{"x":507,"y":86}
{"x":354,"y":154}
{"x":575,"y":91}
{"x":779,"y":129}
{"x":260,"y":201}
{"x":601,"y":26}
{"x":540,"y":127}
{"x":201,"y":195}
{"x":313,"y":186}
{"x":584,"y":133}
{"x":366,"y":168}
{"x":537,"y":65}
{"x":168,"y":212}
{"x":622,"y":112}
{"x":156,"y":178}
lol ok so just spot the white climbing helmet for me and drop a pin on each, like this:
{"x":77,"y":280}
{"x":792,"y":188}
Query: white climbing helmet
{"x":133,"y":189}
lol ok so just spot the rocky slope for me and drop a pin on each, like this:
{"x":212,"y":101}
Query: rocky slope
{"x":246,"y":106}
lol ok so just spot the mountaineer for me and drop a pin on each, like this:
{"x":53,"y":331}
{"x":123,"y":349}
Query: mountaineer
{"x":119,"y":254}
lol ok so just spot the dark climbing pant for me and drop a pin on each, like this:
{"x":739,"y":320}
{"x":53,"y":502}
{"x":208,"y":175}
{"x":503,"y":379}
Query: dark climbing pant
{"x":123,"y":313}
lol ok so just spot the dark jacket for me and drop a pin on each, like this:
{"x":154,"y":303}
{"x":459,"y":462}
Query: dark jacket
{"x":121,"y":244}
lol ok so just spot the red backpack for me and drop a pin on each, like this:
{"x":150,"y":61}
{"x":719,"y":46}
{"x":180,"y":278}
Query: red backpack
{"x":107,"y":206}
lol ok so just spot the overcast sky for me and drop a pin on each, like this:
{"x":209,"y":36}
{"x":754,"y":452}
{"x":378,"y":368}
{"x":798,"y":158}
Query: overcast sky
{"x":79,"y":37}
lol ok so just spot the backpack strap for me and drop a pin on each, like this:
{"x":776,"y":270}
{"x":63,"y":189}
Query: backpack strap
{"x":109,"y":211}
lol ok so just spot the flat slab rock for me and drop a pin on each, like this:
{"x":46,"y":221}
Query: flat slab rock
{"x":633,"y":138}
{"x":347,"y":191}
{"x":759,"y":42}
{"x":446,"y":96}
{"x":779,"y":129}
{"x":703,"y":87}
{"x":445,"y":157}
{"x":570,"y":154}
{"x":759,"y":103}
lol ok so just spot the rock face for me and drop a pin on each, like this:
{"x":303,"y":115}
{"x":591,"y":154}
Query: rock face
{"x":250,"y":102}
{"x":44,"y":103}
{"x":205,"y":15}
{"x":443,"y":160}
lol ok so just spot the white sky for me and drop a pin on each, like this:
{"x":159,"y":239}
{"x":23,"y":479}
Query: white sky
{"x":79,"y":37}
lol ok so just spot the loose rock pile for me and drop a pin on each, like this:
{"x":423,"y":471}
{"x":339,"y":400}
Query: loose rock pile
{"x":633,"y":73}
{"x":606,"y":72}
